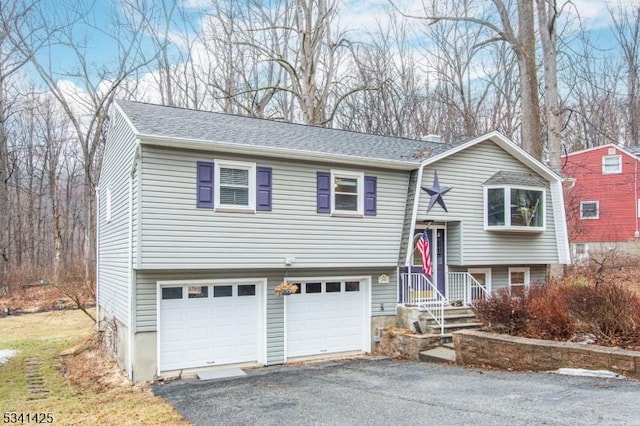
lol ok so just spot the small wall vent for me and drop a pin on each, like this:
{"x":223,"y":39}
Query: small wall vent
{"x":612,"y":151}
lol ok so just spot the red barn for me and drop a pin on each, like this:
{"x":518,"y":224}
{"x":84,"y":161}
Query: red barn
{"x":602,"y":199}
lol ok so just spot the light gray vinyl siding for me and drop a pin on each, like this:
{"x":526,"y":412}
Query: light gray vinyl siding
{"x":383,"y":296}
{"x":408,"y":215}
{"x":500,"y":274}
{"x":113,"y":238}
{"x":454,"y":243}
{"x":175,"y":234}
{"x":465,"y":173}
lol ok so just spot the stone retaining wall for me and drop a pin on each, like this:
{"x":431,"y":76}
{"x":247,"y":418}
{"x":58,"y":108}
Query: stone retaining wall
{"x":478,"y":348}
{"x":401,"y":343}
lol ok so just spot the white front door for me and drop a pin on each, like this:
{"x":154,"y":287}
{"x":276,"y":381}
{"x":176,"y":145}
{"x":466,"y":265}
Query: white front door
{"x":208,"y":324}
{"x":327,"y":316}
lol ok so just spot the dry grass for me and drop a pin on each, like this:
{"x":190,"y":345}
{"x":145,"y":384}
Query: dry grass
{"x":38,"y":298}
{"x":84,"y":388}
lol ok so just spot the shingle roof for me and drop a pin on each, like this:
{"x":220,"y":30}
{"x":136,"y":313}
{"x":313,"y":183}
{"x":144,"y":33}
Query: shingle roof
{"x":516,"y":178}
{"x":173,"y":122}
{"x":635,"y":150}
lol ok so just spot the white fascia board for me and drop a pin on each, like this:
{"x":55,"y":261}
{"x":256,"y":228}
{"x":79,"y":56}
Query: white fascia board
{"x":504,"y":143}
{"x":208,"y":145}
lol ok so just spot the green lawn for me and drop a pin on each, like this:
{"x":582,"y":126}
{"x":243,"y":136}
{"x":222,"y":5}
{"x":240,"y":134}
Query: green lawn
{"x":43,"y":337}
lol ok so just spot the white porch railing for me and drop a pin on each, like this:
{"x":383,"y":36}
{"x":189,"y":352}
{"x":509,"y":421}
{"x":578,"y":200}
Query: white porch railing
{"x":462,"y":286}
{"x":417,"y":290}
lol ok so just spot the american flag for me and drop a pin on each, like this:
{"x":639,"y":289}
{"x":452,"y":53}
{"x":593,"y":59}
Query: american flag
{"x":423,"y":248}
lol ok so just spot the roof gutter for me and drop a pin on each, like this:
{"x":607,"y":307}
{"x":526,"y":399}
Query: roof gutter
{"x":207,"y":145}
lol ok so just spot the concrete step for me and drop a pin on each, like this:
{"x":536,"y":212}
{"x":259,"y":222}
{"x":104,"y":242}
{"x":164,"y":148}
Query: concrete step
{"x":451,"y":327}
{"x":449,"y":311}
{"x":455,"y":310}
{"x":440,"y":354}
{"x":462,"y":318}
{"x":449,"y":345}
{"x":446,"y":339}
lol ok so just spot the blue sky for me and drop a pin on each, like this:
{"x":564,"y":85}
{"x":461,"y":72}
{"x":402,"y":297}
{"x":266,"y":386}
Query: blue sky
{"x":360,"y":16}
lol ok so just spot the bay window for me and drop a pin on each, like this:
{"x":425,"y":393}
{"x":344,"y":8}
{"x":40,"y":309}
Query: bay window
{"x":514,"y":208}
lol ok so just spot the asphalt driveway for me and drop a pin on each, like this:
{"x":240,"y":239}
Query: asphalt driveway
{"x":387,"y":392}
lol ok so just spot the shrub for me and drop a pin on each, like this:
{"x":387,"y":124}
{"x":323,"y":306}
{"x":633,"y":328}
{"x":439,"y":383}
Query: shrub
{"x":607,"y":311}
{"x":502,"y":313}
{"x":547,"y":313}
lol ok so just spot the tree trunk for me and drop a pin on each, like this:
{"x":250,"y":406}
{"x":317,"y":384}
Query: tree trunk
{"x":4,"y":189}
{"x":546,"y":22}
{"x":530,"y":102}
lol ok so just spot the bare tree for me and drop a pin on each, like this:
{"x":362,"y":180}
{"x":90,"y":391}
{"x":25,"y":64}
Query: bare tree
{"x":627,"y":26}
{"x":594,"y":116}
{"x":520,"y":36}
{"x":14,"y":15}
{"x":86,"y":109}
{"x":397,"y":103}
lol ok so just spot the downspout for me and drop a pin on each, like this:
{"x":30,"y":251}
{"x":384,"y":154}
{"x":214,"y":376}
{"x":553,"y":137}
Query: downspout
{"x":97,"y":259}
{"x":134,"y":165}
{"x":414,"y":215}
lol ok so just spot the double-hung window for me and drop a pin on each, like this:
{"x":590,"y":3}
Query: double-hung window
{"x":519,"y":281}
{"x":347,"y":192}
{"x":611,"y":164}
{"x":589,"y":210}
{"x":226,"y":185}
{"x":514,"y":208}
{"x":235,"y":185}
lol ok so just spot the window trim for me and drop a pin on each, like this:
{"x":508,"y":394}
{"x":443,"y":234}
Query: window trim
{"x":242,"y":165}
{"x":507,"y":212}
{"x":597,"y":216}
{"x":359,"y":176}
{"x":527,"y":277}
{"x":580,"y":257}
{"x":487,"y":275}
{"x":619,"y":168}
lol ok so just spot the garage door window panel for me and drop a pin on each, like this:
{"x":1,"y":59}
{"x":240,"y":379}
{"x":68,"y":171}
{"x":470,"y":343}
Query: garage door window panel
{"x":246,"y":290}
{"x":198,"y":292}
{"x":352,"y":286}
{"x":169,"y":293}
{"x":222,"y":291}
{"x":333,"y":287}
{"x":313,"y":288}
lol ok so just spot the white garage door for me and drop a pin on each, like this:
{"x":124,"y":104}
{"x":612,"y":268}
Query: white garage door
{"x":207,"y":325}
{"x":326,"y":317}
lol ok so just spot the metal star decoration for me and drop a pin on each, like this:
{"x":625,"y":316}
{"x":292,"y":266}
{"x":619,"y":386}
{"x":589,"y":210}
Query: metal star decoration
{"x":436,"y":192}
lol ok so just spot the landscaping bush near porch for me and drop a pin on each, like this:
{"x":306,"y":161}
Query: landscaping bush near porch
{"x":607,"y":313}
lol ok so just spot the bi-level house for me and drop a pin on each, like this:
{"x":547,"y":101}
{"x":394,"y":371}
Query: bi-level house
{"x":202,"y":215}
{"x":603,"y":200}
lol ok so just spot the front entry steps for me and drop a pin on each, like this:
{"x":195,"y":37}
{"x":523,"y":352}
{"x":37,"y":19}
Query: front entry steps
{"x":428,"y":344}
{"x":455,"y":318}
{"x":440,"y":354}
